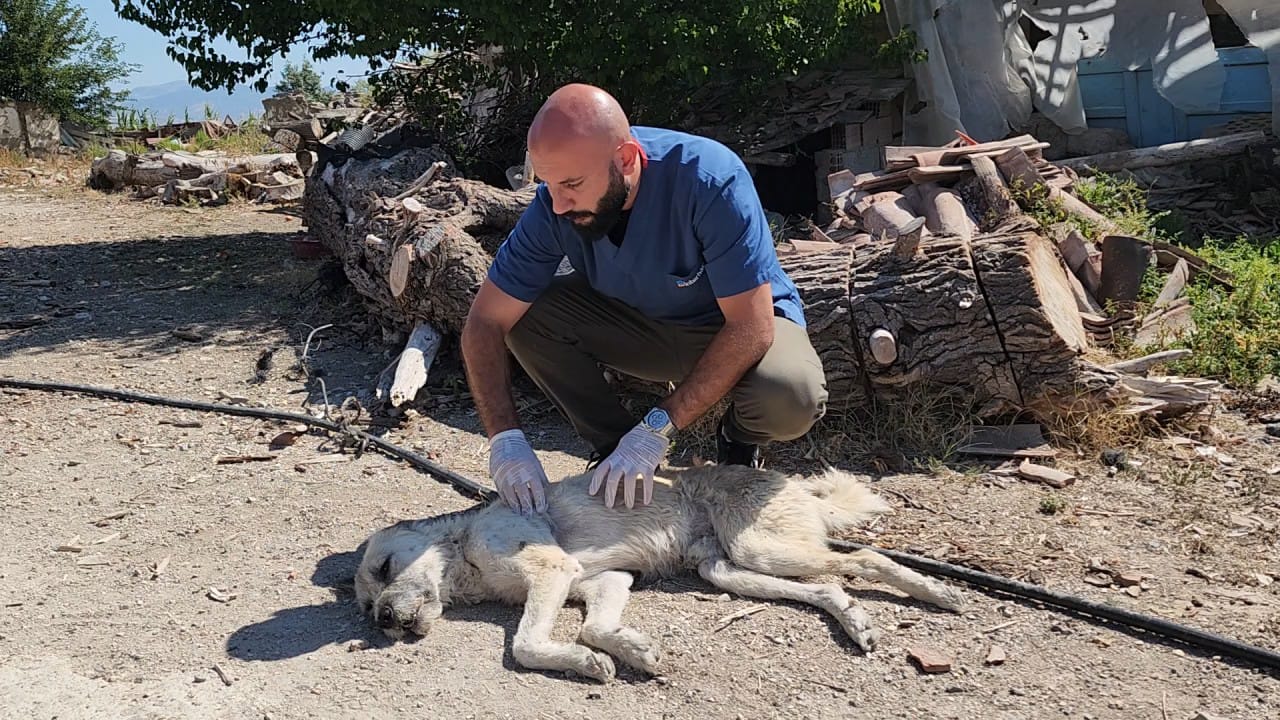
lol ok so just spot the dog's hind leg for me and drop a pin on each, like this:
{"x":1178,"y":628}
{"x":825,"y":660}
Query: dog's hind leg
{"x":718,"y":571}
{"x":768,"y":553}
{"x":548,"y":573}
{"x":606,"y":595}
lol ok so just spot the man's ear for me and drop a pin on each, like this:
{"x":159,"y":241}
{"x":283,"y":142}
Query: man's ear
{"x":628,"y":155}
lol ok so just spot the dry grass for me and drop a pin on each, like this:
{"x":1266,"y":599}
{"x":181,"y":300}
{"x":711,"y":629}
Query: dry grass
{"x":918,"y":430}
{"x":12,"y":160}
{"x":19,"y":169}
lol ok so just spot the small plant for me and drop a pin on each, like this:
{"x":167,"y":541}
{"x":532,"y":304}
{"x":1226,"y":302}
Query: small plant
{"x":1237,"y":333}
{"x":1052,"y":504}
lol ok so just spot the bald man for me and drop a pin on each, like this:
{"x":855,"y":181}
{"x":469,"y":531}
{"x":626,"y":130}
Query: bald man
{"x":672,"y":276}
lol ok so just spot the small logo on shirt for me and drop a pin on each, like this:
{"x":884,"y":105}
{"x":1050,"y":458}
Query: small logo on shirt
{"x":690,"y":281}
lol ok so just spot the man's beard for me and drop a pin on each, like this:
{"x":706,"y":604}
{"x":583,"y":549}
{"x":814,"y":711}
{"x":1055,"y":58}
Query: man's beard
{"x":607,"y":212}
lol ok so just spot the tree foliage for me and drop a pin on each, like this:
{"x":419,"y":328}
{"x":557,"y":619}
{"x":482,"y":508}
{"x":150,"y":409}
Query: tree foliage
{"x":302,"y":79}
{"x":651,"y":55}
{"x":51,"y":55}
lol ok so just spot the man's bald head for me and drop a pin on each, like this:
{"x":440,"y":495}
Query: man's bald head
{"x":576,"y":114}
{"x":580,"y":144}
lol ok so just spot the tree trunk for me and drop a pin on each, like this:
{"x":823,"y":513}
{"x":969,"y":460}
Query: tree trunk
{"x":994,"y":316}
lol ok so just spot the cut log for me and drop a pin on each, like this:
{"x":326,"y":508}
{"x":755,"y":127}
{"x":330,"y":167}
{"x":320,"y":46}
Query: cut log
{"x":150,"y":173}
{"x":1169,"y":154}
{"x":292,"y":190}
{"x":401,"y":260}
{"x":908,"y":241}
{"x":308,"y":130}
{"x":288,"y":139}
{"x":461,"y":228}
{"x":306,"y":159}
{"x":1015,"y":338}
{"x":113,"y":171}
{"x":415,"y":363}
{"x":987,"y":195}
{"x":884,"y":348}
{"x":945,"y":213}
{"x":886,"y":213}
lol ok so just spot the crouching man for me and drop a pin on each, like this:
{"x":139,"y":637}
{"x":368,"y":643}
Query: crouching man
{"x":674,"y":278}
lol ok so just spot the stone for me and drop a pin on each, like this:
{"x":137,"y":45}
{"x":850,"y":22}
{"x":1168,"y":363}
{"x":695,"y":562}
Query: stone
{"x":995,"y":656}
{"x":1128,"y":579}
{"x":930,"y":660}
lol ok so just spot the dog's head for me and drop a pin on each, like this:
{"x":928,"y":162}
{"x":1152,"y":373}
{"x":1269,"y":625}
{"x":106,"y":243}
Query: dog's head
{"x":400,"y":581}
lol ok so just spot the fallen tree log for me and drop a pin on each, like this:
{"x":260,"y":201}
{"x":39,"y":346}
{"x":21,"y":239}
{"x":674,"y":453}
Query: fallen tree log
{"x":993,"y":316}
{"x":119,"y":170}
{"x":1169,"y":154}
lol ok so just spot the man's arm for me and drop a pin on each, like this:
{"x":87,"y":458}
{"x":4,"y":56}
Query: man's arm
{"x":744,"y":339}
{"x":484,"y":354}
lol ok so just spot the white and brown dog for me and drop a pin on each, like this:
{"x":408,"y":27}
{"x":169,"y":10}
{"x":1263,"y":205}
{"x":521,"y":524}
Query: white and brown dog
{"x":743,"y":530}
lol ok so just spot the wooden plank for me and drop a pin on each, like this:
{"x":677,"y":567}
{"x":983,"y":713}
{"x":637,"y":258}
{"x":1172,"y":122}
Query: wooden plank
{"x":881,"y":180}
{"x":937,"y":173}
{"x":949,"y":156}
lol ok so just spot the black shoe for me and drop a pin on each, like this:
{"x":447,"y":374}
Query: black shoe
{"x":597,"y":456}
{"x":732,"y":452}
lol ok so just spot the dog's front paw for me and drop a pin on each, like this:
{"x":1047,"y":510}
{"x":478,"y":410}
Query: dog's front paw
{"x":597,"y":666}
{"x":857,"y":624}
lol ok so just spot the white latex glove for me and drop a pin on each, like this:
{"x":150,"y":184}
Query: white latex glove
{"x":638,"y":454}
{"x":517,"y":473}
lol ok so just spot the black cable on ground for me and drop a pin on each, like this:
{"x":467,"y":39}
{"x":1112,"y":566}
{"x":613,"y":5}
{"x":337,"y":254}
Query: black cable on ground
{"x":1219,"y":644}
{"x":1199,"y":638}
{"x":464,"y":484}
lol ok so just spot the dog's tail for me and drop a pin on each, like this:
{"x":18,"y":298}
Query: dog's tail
{"x":846,"y":501}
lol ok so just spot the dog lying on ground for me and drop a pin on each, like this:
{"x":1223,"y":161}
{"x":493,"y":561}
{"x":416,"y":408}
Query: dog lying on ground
{"x":744,"y":530}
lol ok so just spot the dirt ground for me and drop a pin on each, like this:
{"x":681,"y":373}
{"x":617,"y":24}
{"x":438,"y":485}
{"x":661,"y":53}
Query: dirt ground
{"x":138,"y":572}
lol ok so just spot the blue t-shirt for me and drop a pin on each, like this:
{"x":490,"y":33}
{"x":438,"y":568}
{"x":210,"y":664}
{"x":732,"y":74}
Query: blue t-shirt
{"x":696,"y":232}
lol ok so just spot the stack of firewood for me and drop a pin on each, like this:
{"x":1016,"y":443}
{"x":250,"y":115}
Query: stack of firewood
{"x":941,"y":223}
{"x":206,"y":177}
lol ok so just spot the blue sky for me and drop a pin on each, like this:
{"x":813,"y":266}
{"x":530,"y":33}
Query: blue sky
{"x":146,"y":48}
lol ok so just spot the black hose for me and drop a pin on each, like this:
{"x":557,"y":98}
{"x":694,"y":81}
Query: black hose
{"x":1192,"y":636}
{"x":1199,"y":638}
{"x":464,"y":484}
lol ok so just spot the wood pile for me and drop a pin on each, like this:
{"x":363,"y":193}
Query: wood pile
{"x":208,"y":177}
{"x":930,"y":274}
{"x":951,"y":277}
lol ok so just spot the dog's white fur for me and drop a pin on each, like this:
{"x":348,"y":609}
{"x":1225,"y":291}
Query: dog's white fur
{"x":744,"y":530}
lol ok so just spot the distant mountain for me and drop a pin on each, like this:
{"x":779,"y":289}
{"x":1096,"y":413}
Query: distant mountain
{"x":175,"y":98}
